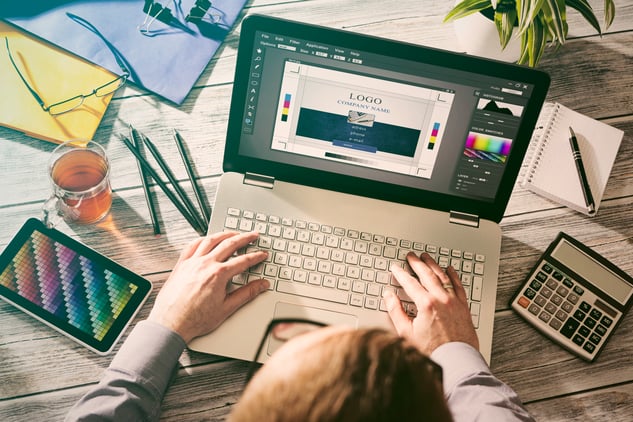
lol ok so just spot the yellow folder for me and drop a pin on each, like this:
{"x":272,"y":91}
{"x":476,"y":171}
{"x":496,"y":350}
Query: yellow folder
{"x":55,"y":75}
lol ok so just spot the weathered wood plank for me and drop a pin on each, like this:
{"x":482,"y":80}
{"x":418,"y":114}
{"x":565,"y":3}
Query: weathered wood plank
{"x":44,"y":373}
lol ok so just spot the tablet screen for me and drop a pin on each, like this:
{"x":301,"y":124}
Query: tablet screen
{"x":70,"y":286}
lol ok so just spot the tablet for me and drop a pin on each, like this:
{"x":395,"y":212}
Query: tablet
{"x":70,"y":287}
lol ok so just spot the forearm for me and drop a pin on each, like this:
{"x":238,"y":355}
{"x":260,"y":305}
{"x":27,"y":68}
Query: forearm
{"x":472,"y":392}
{"x":134,"y":384}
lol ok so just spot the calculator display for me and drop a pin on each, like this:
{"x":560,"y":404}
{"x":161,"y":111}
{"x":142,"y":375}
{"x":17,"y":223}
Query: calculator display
{"x":590,"y":269}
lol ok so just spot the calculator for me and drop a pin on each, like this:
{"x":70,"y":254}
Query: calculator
{"x":574,"y":296}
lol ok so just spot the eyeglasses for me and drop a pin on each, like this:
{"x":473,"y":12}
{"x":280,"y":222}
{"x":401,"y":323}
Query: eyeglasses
{"x":72,"y":103}
{"x":303,"y":326}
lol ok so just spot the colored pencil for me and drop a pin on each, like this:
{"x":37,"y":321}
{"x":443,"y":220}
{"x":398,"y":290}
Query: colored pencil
{"x":172,"y":179}
{"x":192,"y":178}
{"x":172,"y":197}
{"x":145,"y":182}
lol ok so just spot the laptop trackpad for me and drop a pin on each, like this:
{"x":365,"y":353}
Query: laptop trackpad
{"x":289,"y":310}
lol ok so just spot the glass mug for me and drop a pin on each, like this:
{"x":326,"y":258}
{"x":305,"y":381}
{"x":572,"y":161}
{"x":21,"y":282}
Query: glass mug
{"x":79,"y":171}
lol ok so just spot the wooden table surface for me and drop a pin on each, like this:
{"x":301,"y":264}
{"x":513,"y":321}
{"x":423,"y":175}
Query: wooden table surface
{"x":43,"y":373}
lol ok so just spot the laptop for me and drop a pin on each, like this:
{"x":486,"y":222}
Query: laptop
{"x":346,"y":152}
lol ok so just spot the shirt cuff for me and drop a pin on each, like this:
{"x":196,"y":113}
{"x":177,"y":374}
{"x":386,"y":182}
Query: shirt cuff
{"x":151,"y":351}
{"x":458,"y":361}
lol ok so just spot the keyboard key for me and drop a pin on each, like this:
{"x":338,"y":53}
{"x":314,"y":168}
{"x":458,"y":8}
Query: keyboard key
{"x":371,"y":302}
{"x":477,"y":287}
{"x":356,"y":300}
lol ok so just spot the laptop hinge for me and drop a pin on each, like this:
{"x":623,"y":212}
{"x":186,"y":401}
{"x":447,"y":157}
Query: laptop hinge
{"x":259,"y":180}
{"x":464,"y":219}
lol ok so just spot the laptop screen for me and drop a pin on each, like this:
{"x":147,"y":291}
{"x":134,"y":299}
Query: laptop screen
{"x":379,"y":116}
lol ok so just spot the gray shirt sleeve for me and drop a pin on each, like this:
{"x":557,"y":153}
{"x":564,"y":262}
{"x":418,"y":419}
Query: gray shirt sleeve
{"x":472,"y":392}
{"x":134,"y":384}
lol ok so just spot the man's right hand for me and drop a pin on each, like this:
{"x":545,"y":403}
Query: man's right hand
{"x":442,"y":306}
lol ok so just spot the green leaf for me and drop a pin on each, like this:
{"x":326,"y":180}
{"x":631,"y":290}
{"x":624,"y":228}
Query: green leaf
{"x":532,"y":9}
{"x":523,"y":58}
{"x":586,"y":11}
{"x":537,"y":40}
{"x":609,"y":12}
{"x":505,"y":26}
{"x":554,"y":21}
{"x":465,"y":8}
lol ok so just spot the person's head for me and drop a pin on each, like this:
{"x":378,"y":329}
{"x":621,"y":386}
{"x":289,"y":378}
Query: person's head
{"x":340,"y":374}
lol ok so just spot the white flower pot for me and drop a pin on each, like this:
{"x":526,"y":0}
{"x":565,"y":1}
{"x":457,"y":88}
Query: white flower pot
{"x":477,"y":35}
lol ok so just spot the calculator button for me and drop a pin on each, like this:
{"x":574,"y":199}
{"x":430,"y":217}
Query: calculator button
{"x":573,"y":298}
{"x":595,"y":338}
{"x":568,"y":283}
{"x":536,"y":285}
{"x":529,"y":293}
{"x":601,"y":329}
{"x":578,"y":290}
{"x":555,"y":324}
{"x":589,"y":347}
{"x":557,"y":275}
{"x":606,"y":321}
{"x":595,"y":314}
{"x":567,"y":307}
{"x":546,"y":292}
{"x":540,"y":300}
{"x":569,"y":328}
{"x":561,"y":315}
{"x":524,"y":301}
{"x":550,"y":307}
{"x":547,"y":268}
{"x":545,"y":317}
{"x":578,"y":339}
{"x":541,"y":276}
{"x":585,"y":307}
{"x":552,"y":284}
{"x":579,"y":315}
{"x":584,"y":331}
{"x":562,"y":290}
{"x":590,"y":322}
{"x":534,"y":309}
{"x":557,"y":300}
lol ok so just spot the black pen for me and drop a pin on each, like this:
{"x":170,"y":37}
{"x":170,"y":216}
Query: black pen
{"x":192,"y":178}
{"x":586,"y":189}
{"x":172,"y":197}
{"x":145,"y":183}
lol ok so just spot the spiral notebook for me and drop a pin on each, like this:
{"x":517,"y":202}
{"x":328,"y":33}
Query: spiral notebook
{"x":551,"y":171}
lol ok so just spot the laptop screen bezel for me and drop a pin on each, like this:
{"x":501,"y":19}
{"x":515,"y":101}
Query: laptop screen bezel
{"x":490,"y":210}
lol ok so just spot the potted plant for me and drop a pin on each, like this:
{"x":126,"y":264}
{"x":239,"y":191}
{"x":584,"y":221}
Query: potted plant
{"x":538,"y":22}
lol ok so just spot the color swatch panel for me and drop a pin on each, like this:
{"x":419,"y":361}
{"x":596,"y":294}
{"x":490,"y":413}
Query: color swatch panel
{"x":433,"y":138}
{"x":487,"y":143}
{"x":486,"y":147}
{"x":69,"y":286}
{"x":286,"y":108}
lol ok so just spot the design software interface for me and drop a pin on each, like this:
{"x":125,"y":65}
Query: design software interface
{"x":377,"y":117}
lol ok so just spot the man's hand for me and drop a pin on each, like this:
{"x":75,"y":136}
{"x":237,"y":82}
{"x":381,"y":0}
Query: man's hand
{"x":443,"y":314}
{"x":194,"y":300}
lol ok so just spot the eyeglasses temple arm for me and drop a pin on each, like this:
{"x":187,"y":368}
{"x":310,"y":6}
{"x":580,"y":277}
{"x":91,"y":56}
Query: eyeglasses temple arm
{"x":31,"y":90}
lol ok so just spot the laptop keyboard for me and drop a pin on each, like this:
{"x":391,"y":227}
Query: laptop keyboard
{"x":343,"y":265}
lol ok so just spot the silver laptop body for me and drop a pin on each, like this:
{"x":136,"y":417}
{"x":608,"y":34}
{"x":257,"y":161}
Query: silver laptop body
{"x":346,"y":152}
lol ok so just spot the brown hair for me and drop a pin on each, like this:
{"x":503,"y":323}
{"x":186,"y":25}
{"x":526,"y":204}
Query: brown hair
{"x":358,"y":375}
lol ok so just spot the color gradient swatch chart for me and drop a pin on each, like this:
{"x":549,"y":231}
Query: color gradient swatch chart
{"x":479,"y":145}
{"x":68,"y":285}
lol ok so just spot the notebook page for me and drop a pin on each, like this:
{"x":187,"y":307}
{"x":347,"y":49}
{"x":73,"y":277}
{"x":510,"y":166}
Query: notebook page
{"x":553,"y":170}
